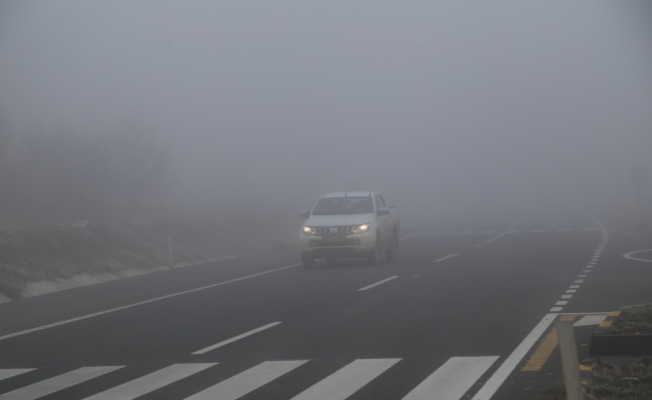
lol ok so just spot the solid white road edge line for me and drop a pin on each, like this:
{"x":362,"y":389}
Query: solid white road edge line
{"x":233,"y":339}
{"x":491,"y":386}
{"x":378,"y":283}
{"x":503,"y":233}
{"x":142,"y":302}
{"x":446,"y":258}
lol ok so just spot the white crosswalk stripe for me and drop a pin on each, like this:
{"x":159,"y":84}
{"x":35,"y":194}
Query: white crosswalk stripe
{"x":449,"y":382}
{"x":151,"y":382}
{"x":8,"y":373}
{"x":48,"y":386}
{"x":347,"y":380}
{"x":453,"y":379}
{"x":247,"y":381}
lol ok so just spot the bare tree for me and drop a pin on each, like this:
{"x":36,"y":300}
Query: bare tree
{"x":66,"y":175}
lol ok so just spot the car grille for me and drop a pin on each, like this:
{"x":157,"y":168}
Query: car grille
{"x":326,"y":230}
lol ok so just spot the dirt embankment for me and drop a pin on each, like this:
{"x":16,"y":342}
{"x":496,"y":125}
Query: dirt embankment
{"x":74,"y":255}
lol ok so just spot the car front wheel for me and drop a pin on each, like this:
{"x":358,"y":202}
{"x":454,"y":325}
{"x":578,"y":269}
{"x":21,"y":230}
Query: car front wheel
{"x":393,"y":246}
{"x":374,"y":257}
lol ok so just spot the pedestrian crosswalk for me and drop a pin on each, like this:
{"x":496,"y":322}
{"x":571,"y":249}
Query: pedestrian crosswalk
{"x":248,"y":381}
{"x":347,"y":380}
{"x":452,"y":379}
{"x":52,"y":385}
{"x":151,"y":382}
{"x":449,"y":381}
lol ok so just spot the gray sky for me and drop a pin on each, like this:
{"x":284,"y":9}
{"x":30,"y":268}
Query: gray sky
{"x":446,"y":107}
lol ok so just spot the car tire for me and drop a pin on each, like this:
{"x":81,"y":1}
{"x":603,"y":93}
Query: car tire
{"x":374,"y":257}
{"x":393,"y":246}
{"x":307,"y":262}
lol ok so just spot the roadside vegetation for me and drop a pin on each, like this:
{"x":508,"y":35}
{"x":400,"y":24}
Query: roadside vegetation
{"x":68,"y":176}
{"x":631,"y":382}
{"x":54,"y":252}
{"x":97,"y":203}
{"x":633,"y":320}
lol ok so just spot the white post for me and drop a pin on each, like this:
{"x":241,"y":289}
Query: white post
{"x":569,"y":360}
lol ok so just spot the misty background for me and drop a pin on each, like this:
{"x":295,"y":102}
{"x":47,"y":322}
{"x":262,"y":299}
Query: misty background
{"x":449,"y":109}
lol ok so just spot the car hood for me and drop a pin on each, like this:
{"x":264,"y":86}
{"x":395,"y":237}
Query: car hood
{"x":339,"y":220}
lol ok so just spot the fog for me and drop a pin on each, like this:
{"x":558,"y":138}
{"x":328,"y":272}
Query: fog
{"x":450,"y":109}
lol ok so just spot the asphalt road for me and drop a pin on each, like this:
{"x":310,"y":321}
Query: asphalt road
{"x":451,"y":317}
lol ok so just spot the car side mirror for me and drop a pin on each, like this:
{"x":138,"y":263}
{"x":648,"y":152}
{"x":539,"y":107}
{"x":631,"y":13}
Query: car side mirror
{"x":305,"y":213}
{"x":383,"y":211}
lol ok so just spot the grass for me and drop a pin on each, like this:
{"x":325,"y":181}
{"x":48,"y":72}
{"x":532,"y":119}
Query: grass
{"x":633,"y":320}
{"x":631,"y":382}
{"x":56,"y":251}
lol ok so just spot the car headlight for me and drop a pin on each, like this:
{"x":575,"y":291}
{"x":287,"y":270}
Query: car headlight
{"x":307,"y":230}
{"x":361,"y":228}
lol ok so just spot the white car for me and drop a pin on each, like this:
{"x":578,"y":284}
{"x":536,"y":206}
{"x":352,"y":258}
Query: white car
{"x":349,"y":224}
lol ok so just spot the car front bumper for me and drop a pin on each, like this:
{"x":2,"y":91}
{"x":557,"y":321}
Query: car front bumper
{"x":355,"y":245}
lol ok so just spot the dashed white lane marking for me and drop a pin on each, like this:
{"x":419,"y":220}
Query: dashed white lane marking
{"x":594,"y":260}
{"x":567,"y":296}
{"x":347,"y":380}
{"x":143,"y":302}
{"x":590,"y":320}
{"x":233,"y":339}
{"x":571,"y":291}
{"x":378,"y":283}
{"x":151,"y":382}
{"x":453,"y":379}
{"x":247,"y":381}
{"x":503,"y":233}
{"x":491,"y":386}
{"x":8,"y":373}
{"x":48,"y":386}
{"x":629,"y":256}
{"x":445,"y":258}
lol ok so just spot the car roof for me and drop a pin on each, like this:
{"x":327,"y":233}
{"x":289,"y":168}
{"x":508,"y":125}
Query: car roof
{"x":348,"y":194}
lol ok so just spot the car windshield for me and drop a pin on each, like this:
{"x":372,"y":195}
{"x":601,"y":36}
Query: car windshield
{"x":343,"y":205}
